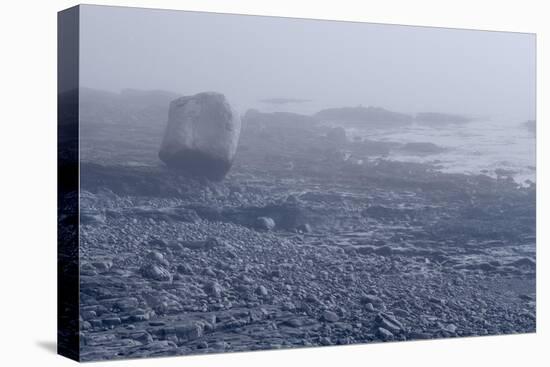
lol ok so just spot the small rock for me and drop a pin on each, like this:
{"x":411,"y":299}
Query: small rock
{"x":330,"y":316}
{"x":213,"y":242}
{"x":190,"y":331}
{"x":88,"y":315}
{"x":372,"y":299}
{"x":369,"y":307}
{"x":142,"y":337}
{"x":385,"y":334}
{"x":91,"y":217}
{"x":261,"y":291}
{"x":209,"y":272}
{"x":265,"y":223}
{"x":220,"y":345}
{"x":111,"y":321}
{"x":155,"y":272}
{"x":213,"y":289}
{"x":526,"y":297}
{"x":202,"y":345}
{"x":304,"y":228}
{"x":103,"y":265}
{"x":185,"y":269}
{"x":524,"y":262}
{"x":157,"y":257}
{"x":451,"y":328}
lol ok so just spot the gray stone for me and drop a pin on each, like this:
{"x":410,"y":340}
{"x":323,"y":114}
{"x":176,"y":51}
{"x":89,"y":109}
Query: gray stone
{"x":190,"y":331}
{"x":185,"y":269}
{"x":201,"y":136}
{"x":304,"y":228}
{"x":91,"y":217}
{"x":261,"y":291}
{"x":451,"y":328}
{"x":157,"y":257}
{"x":372,"y":299}
{"x":384,"y":334}
{"x":155,"y":272}
{"x":265,"y":223}
{"x":369,"y":307}
{"x":213,"y":289}
{"x":142,"y":337}
{"x":111,"y":321}
{"x":330,"y":316}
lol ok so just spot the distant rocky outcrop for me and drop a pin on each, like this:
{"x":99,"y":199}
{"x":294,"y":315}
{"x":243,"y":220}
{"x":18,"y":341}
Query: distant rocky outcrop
{"x":253,"y":116}
{"x":201,"y":136}
{"x":422,"y":148}
{"x":365,"y":116}
{"x":129,"y":106}
{"x":283,"y":101}
{"x":436,"y":118}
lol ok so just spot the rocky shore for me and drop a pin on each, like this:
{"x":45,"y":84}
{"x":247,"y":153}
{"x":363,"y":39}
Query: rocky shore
{"x":311,"y":239}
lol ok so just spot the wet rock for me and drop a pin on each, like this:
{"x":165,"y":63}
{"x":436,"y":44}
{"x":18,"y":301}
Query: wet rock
{"x":190,"y":331}
{"x":220,"y":345}
{"x":208,"y":244}
{"x":157,"y":257}
{"x":209,"y":272}
{"x":304,"y":228}
{"x":169,"y":214}
{"x":141,"y":336}
{"x":111,"y":321}
{"x":140,"y":315}
{"x":419,"y":335}
{"x":526,"y":297}
{"x":88,"y":314}
{"x":369,"y":307}
{"x":155,"y":272}
{"x":450,"y":328}
{"x":388,"y":322}
{"x":524,"y":262}
{"x":265,"y":223}
{"x":213,"y":289}
{"x":384,"y":334}
{"x":295,"y":322}
{"x":261,"y":291}
{"x":91,"y":217}
{"x":372,"y":299}
{"x":103,"y":265}
{"x":330,"y":316}
{"x":185,"y":269}
{"x":201,"y":136}
{"x":125,"y":304}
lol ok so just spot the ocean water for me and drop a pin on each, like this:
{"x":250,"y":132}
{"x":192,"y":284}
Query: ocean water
{"x":479,"y":147}
{"x":483,"y":146}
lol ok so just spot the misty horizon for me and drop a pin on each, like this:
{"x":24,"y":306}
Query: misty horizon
{"x":251,"y":59}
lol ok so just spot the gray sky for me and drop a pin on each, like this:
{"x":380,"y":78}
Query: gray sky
{"x":248,"y":58}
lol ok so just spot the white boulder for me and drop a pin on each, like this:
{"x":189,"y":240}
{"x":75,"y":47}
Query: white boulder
{"x":201,"y":136}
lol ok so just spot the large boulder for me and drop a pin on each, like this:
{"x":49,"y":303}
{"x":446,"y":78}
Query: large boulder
{"x":201,"y":136}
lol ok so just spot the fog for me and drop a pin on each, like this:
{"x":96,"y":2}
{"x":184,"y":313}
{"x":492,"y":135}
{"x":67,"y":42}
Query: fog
{"x":329,"y":64}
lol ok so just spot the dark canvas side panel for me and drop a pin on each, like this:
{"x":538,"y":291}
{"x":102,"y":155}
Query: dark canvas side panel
{"x":67,"y":184}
